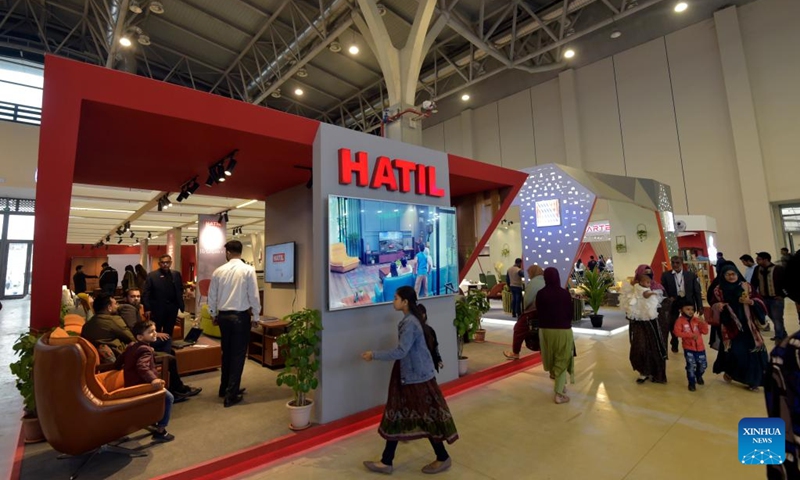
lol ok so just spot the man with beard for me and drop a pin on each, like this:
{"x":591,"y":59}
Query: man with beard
{"x":163,"y":296}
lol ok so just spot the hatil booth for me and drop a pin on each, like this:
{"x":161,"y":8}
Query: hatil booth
{"x":371,"y":202}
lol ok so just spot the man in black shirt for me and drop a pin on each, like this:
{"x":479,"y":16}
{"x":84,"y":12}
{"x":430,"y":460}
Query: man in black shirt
{"x":109,"y":278}
{"x":79,"y":279}
{"x":163,"y":295}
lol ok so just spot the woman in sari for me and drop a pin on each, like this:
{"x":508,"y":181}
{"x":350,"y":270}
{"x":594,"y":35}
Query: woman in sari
{"x":554,"y":309}
{"x":648,"y":352}
{"x":742,"y":356}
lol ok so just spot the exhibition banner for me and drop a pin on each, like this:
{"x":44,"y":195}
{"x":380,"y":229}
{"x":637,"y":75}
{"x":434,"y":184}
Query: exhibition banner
{"x":210,"y":253}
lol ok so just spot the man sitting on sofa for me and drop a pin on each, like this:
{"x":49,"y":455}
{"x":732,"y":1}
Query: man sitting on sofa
{"x":107,"y":328}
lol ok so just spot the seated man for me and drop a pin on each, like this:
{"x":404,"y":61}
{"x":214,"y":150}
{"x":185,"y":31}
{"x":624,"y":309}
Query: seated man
{"x":107,"y":328}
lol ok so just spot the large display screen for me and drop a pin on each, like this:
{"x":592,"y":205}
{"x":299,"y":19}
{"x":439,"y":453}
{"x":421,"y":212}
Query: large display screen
{"x":375,"y":247}
{"x":279,"y":263}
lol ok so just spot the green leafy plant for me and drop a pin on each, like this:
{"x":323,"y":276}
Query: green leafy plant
{"x":466,"y":322}
{"x":23,"y":370}
{"x":302,"y":359}
{"x":480,"y":302}
{"x":506,"y":251}
{"x":594,"y":285}
{"x":642,"y":234}
{"x":622,"y":248}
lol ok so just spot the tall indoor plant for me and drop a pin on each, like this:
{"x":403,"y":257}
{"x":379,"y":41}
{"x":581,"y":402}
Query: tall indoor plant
{"x":301,"y":342}
{"x":466,"y":323}
{"x":23,"y":370}
{"x":480,"y":302}
{"x":594,"y":286}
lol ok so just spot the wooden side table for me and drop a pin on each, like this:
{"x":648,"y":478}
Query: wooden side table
{"x":263,"y":346}
{"x":206,"y":355}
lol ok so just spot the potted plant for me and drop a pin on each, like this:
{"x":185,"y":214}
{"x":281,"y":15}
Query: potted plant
{"x":622,"y":248}
{"x":466,"y":323}
{"x":301,"y":342}
{"x":23,"y":370}
{"x":594,"y":286}
{"x":506,"y":250}
{"x":641,"y":232}
{"x":480,"y":302}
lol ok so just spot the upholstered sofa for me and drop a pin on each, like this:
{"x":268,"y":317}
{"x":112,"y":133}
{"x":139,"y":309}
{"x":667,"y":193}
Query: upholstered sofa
{"x":390,"y":285}
{"x":340,"y":261}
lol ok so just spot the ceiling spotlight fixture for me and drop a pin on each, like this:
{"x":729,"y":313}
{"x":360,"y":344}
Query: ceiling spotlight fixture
{"x":133,"y":234}
{"x":188,"y":188}
{"x":465,"y":97}
{"x":302,"y":73}
{"x":335,"y":47}
{"x":156,"y":7}
{"x":125,"y":42}
{"x":681,"y":7}
{"x":186,"y":239}
{"x":570,"y":53}
{"x":381,"y":9}
{"x":298,"y":92}
{"x":135,"y":7}
{"x":616,"y":34}
{"x":119,"y":240}
{"x":276,"y":93}
{"x":149,"y":235}
{"x":143,"y":39}
{"x":218,"y":172}
{"x":127,"y":226}
{"x":231,"y":163}
{"x":194,"y":240}
{"x":108,"y":238}
{"x":353,"y":49}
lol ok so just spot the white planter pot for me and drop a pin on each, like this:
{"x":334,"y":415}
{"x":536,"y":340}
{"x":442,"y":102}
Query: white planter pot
{"x":300,"y":416}
{"x":463,"y":363}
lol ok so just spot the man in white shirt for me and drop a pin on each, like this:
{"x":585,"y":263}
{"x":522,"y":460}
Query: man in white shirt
{"x":750,"y":263}
{"x":232,"y":296}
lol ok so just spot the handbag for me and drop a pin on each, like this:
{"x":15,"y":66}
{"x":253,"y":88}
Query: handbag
{"x":532,"y":337}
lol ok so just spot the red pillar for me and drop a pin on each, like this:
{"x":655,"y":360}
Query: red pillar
{"x":58,"y":142}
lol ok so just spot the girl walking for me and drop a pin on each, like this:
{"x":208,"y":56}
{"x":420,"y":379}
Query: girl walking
{"x":416,"y":407}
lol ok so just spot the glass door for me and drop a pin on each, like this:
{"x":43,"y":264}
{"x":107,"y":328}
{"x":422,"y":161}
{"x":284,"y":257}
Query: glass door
{"x":17,"y":271}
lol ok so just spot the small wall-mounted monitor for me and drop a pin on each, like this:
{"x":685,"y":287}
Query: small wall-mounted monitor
{"x":279,"y":263}
{"x":548,"y":213}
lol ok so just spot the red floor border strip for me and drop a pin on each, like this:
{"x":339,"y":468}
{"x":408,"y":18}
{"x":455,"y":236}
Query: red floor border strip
{"x":256,"y":457}
{"x":19,"y":452}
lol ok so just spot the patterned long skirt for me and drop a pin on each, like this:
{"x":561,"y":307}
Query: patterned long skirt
{"x":648,"y":349}
{"x":416,"y":411}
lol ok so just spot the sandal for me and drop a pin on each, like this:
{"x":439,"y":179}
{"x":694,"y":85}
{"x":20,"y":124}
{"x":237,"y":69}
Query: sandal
{"x":511,"y":355}
{"x":727,"y":378}
{"x":641,"y":380}
{"x":559,"y":399}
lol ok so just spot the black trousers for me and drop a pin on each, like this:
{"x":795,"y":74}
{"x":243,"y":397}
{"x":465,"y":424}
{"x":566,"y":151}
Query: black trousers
{"x":391,"y":446}
{"x":164,"y":318}
{"x":235,"y":330}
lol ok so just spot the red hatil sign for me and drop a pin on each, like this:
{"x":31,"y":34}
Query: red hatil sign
{"x":279,"y":257}
{"x":394,"y":175}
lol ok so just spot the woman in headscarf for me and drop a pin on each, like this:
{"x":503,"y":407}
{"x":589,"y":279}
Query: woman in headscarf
{"x":535,"y":283}
{"x":742,"y":355}
{"x":554,"y":309}
{"x":648,"y":352}
{"x":665,"y":305}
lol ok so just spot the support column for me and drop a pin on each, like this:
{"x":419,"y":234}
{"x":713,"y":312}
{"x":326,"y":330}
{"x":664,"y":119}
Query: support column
{"x":569,"y":113}
{"x":174,"y":247}
{"x":747,"y":144}
{"x":143,"y":246}
{"x":401,"y":67}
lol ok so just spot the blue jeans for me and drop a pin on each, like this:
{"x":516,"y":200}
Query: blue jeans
{"x":775,"y":307}
{"x":696,"y":364}
{"x":168,"y":400}
{"x":235,"y":330}
{"x":516,"y":301}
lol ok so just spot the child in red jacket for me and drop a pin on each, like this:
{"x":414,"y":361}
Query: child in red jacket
{"x":690,"y":329}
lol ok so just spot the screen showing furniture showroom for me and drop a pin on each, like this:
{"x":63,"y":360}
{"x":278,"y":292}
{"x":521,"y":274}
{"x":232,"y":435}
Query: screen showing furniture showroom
{"x":369,"y":242}
{"x":548,"y":213}
{"x":279,"y":264}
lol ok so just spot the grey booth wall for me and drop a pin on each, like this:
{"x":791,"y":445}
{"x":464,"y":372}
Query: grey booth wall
{"x":347,"y":383}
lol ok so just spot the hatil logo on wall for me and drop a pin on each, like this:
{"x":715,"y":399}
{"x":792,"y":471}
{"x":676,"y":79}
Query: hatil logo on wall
{"x":279,"y":258}
{"x":762,"y":441}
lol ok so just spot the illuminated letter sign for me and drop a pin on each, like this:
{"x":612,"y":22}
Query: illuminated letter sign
{"x":393,"y":175}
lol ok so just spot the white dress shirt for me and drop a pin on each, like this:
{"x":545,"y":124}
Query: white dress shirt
{"x":234,"y":287}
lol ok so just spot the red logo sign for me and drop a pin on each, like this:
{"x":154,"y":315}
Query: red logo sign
{"x":393,"y":175}
{"x":278,"y":257}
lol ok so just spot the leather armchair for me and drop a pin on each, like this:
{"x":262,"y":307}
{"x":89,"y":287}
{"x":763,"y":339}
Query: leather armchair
{"x":80,"y":410}
{"x":339,"y":260}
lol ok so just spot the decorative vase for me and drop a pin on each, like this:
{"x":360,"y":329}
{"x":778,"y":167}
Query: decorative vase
{"x":480,"y":335}
{"x":506,"y":301}
{"x":463,"y":363}
{"x":300,"y":416}
{"x":597,"y":320}
{"x":32,"y":429}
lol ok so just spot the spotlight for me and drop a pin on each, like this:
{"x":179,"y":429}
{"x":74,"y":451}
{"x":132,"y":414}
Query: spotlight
{"x":125,"y":42}
{"x":108,"y":238}
{"x":167,"y":201}
{"x":160,"y":206}
{"x":681,"y":7}
{"x":465,"y":97}
{"x":225,"y":216}
{"x":149,"y":235}
{"x":127,"y":226}
{"x":570,"y":53}
{"x":231,"y":166}
{"x":119,"y":241}
{"x":135,"y":7}
{"x":120,"y":230}
{"x":194,"y":240}
{"x":157,"y":7}
{"x":353,"y":49}
{"x":194,"y":187}
{"x":298,"y":92}
{"x":186,"y":239}
{"x":210,"y":181}
{"x":181,"y":196}
{"x":220,"y":172}
{"x":133,"y":234}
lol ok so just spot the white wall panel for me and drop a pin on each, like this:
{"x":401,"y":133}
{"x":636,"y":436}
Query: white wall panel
{"x":516,"y":131}
{"x":452,"y":136}
{"x":433,"y":137}
{"x":487,"y":134}
{"x":548,"y":125}
{"x":771,"y":38}
{"x":601,"y":140}
{"x":705,"y":134}
{"x":649,"y":133}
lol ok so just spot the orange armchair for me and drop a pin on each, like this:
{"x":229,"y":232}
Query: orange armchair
{"x":340,"y":262}
{"x":81,"y":411}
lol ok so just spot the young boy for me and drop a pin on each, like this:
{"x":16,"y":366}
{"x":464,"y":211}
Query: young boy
{"x":691,"y":330}
{"x":139,"y":368}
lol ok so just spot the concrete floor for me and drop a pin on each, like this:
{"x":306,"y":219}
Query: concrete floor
{"x":14,"y":319}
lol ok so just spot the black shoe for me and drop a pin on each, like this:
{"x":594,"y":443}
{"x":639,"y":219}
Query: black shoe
{"x":163,"y":437}
{"x":179,"y":398}
{"x":231,"y":401}
{"x":692,"y":388}
{"x":188,"y":391}
{"x":774,"y":338}
{"x":241,"y":391}
{"x":700,"y":381}
{"x":641,"y":380}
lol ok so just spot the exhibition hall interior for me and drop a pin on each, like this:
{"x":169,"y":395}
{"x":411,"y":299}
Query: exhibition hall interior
{"x":282,"y":238}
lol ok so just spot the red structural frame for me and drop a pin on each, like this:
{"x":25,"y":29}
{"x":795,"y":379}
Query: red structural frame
{"x":105,"y":127}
